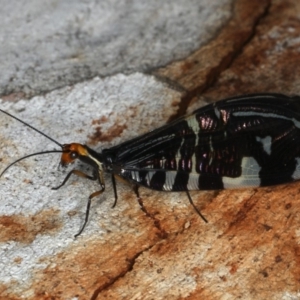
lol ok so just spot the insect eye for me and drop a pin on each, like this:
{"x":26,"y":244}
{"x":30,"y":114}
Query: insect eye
{"x":73,"y":155}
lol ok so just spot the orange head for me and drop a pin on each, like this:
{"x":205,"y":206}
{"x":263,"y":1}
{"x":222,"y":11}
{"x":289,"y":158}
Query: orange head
{"x":71,"y":152}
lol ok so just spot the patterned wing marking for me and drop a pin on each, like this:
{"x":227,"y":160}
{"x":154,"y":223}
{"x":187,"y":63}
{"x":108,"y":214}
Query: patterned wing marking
{"x":241,"y":142}
{"x":266,"y":143}
{"x":249,"y":175}
{"x":296,"y":174}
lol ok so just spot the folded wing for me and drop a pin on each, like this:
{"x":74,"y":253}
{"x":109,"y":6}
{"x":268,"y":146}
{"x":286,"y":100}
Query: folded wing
{"x":238,"y":142}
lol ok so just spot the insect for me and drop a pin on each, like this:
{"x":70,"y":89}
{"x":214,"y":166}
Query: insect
{"x":245,"y":141}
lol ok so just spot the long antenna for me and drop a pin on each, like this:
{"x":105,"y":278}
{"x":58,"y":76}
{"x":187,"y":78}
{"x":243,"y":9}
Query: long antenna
{"x":29,"y":155}
{"x":40,"y":132}
{"x":32,"y":154}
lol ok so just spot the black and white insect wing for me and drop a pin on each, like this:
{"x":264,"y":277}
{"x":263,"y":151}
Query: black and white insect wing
{"x":239,"y":142}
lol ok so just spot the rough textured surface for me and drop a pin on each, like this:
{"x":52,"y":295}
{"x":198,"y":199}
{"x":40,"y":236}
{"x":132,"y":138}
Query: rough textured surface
{"x":249,"y":249}
{"x":200,"y":69}
{"x":49,"y":45}
{"x":270,"y":62}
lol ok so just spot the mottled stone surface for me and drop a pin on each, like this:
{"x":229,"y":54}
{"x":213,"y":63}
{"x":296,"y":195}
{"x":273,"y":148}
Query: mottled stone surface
{"x":49,"y":45}
{"x":250,"y":247}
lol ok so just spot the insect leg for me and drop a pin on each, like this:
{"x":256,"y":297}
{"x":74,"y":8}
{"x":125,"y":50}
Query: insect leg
{"x":119,"y":178}
{"x":139,"y":199}
{"x":115,"y":189}
{"x":98,"y":176}
{"x":196,"y":209}
{"x":78,"y":173}
{"x":136,"y":190}
{"x":87,"y":212}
